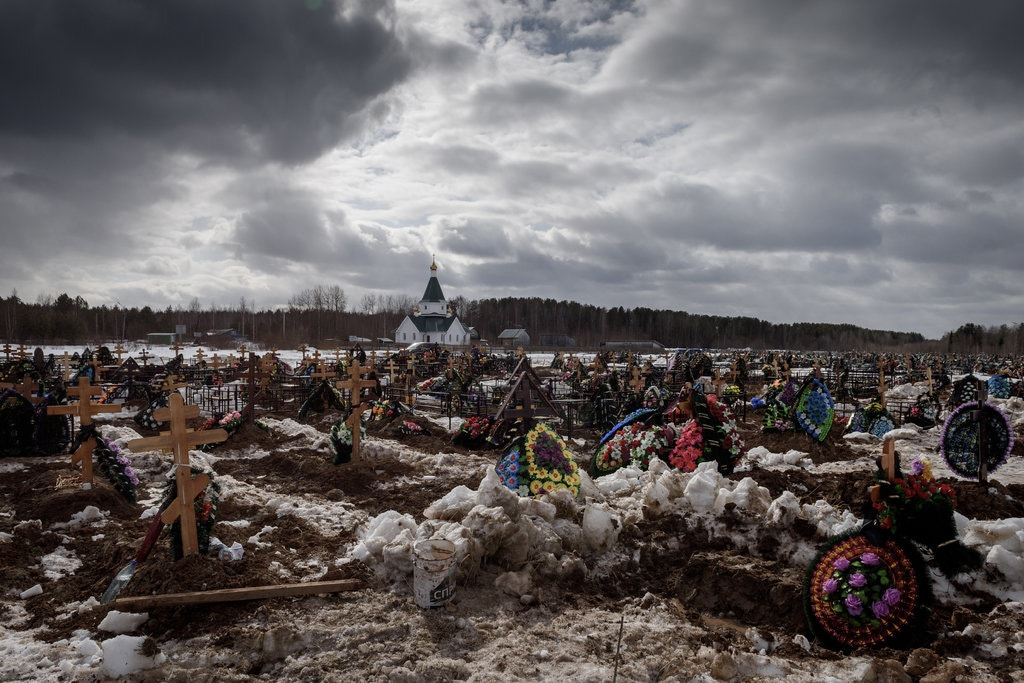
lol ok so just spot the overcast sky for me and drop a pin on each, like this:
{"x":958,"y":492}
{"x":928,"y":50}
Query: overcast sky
{"x":789,"y":160}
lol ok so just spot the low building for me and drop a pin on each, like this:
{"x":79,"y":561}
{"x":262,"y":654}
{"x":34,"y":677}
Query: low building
{"x":161,"y":338}
{"x":513,"y":337}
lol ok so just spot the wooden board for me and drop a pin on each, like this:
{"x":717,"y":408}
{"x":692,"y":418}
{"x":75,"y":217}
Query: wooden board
{"x":235,"y":594}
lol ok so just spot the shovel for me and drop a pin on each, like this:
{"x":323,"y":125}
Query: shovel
{"x":125,"y":575}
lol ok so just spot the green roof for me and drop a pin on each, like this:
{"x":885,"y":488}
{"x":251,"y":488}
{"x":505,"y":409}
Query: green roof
{"x":433,"y":292}
{"x":432,"y":323}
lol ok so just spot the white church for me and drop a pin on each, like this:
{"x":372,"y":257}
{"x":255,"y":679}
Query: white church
{"x":432,"y":319}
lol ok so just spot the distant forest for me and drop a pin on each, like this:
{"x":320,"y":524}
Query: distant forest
{"x":321,"y":317}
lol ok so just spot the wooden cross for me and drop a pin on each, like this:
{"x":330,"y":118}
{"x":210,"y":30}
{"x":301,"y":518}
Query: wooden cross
{"x":84,"y":410}
{"x":881,"y":384}
{"x":178,"y":441}
{"x":888,"y":464}
{"x":355,"y":384}
{"x":316,"y":357}
{"x":322,"y":371}
{"x":928,"y":379}
{"x":635,"y":381}
{"x":242,"y":351}
{"x":410,"y":373}
{"x":391,"y":371}
{"x":145,"y":357}
{"x":337,"y":356}
{"x":28,"y":387}
{"x":303,"y":348}
{"x":216,"y":362}
{"x":7,"y":351}
{"x":176,"y":347}
{"x":977,"y":415}
{"x":199,"y":357}
{"x":718,"y":382}
{"x":119,"y":350}
{"x":171,"y":384}
{"x":22,"y":352}
{"x":97,"y":368}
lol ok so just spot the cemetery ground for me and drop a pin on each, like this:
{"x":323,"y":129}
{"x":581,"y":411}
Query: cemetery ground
{"x":676,"y":596}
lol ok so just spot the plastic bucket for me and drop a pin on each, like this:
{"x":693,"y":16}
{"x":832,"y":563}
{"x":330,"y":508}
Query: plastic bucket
{"x":433,"y":576}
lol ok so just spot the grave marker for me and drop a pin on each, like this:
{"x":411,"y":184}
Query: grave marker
{"x":887,"y":463}
{"x":178,"y":441}
{"x":355,"y":384}
{"x":84,"y":410}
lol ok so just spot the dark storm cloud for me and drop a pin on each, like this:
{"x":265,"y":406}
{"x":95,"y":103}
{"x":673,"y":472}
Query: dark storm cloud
{"x":232,"y":79}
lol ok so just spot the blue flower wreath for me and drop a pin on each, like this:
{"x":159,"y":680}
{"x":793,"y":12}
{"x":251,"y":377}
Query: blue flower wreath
{"x":959,"y":441}
{"x":815,"y":409}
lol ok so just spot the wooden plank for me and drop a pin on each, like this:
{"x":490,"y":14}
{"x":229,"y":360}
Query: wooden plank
{"x":236,"y":594}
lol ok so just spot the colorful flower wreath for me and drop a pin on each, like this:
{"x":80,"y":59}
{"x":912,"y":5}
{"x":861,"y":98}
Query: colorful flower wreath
{"x":635,"y":445}
{"x":999,"y":385}
{"x":913,"y":495}
{"x":689,"y":447}
{"x":117,"y":467}
{"x":473,"y":431}
{"x":815,"y":409}
{"x":539,"y":463}
{"x":860,"y":593}
{"x":965,"y":390}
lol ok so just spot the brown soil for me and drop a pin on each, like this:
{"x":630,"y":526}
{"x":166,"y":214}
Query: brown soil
{"x":678,"y":559}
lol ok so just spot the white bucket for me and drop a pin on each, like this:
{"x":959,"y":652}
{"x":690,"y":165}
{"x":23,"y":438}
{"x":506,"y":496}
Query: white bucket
{"x":433,"y":575}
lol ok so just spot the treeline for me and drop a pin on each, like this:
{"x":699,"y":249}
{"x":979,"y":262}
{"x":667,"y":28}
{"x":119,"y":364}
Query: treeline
{"x":321,"y":317}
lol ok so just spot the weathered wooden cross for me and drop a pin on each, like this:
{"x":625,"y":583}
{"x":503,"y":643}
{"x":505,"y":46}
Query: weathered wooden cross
{"x":636,"y":383}
{"x":199,"y":357}
{"x":84,"y":410}
{"x":7,"y":351}
{"x":120,"y":351}
{"x":881,"y":384}
{"x":28,"y":387}
{"x":322,"y":371}
{"x":178,"y":441}
{"x":66,"y":366}
{"x":888,"y":465}
{"x":718,"y":382}
{"x":355,"y":384}
{"x":977,"y":416}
